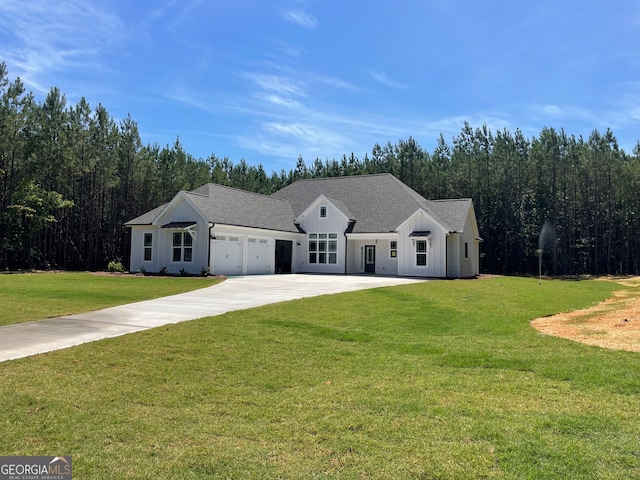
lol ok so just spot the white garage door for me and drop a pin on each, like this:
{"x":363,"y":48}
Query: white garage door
{"x":258,"y":256}
{"x":226,"y":256}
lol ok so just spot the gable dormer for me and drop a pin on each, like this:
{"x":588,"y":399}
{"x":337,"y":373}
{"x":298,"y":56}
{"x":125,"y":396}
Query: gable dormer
{"x":325,"y":214}
{"x":179,"y":209}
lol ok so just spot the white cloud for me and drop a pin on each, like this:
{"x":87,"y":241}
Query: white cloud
{"x":54,"y":36}
{"x":301,"y":18}
{"x":298,"y":131}
{"x":551,"y":110}
{"x":625,"y":108}
{"x":289,"y":49}
{"x":159,"y":12}
{"x":290,"y":139}
{"x":279,"y":101}
{"x":384,"y":79}
{"x":178,"y":12}
{"x":531,"y":118}
{"x":336,"y":82}
{"x":565,"y":111}
{"x":276,"y":83}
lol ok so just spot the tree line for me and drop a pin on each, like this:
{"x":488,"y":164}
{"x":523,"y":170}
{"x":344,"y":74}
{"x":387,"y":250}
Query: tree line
{"x":71,"y":176}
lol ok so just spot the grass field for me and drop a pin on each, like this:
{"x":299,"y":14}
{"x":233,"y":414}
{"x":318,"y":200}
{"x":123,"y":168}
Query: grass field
{"x":26,"y":297}
{"x":441,"y":380}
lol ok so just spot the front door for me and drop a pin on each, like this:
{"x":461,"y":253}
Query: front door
{"x":284,"y":256}
{"x":370,"y":259}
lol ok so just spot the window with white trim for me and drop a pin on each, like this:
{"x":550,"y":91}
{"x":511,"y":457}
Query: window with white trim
{"x":182,"y":247}
{"x":466,"y":250}
{"x":148,"y":247}
{"x":421,"y":253}
{"x":393,"y":249}
{"x":323,"y":211}
{"x":323,"y":248}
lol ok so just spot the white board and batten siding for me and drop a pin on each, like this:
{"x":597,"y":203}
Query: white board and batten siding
{"x":353,"y":257}
{"x":162,"y":241}
{"x":162,"y":250}
{"x":183,"y":211}
{"x":333,"y":222}
{"x":385,"y":264}
{"x":463,"y":251}
{"x":436,"y":247}
{"x":468,"y":251}
{"x":453,"y":260}
{"x":137,"y":261}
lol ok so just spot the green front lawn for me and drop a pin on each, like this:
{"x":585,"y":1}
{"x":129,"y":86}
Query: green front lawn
{"x":439,"y":380}
{"x":34,"y":296}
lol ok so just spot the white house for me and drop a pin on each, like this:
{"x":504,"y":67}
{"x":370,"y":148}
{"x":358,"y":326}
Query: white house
{"x":371,"y":224}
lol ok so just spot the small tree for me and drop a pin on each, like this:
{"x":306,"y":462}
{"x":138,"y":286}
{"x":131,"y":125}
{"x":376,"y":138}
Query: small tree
{"x":32,"y":210}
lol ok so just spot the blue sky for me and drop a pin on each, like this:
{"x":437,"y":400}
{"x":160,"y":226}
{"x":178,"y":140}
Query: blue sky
{"x":270,"y":80}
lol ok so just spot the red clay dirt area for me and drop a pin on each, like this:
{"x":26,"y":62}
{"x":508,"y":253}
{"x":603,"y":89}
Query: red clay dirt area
{"x":613,"y":324}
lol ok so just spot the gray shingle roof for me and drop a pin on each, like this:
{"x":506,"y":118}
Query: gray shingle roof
{"x":455,"y":211}
{"x":147,"y":218}
{"x":339,"y":204}
{"x":230,"y":206}
{"x":378,"y":203}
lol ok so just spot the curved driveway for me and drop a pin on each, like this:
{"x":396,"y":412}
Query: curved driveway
{"x":237,"y":293}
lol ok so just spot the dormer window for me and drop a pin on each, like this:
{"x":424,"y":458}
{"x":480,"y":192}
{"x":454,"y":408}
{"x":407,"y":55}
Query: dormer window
{"x":323,"y":212}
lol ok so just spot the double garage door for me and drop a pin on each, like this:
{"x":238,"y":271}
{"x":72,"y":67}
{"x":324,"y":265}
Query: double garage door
{"x":228,"y":255}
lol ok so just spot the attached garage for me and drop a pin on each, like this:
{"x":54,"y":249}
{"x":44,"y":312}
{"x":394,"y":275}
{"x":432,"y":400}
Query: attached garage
{"x":227,"y":255}
{"x":234,"y":254}
{"x":259,"y":256}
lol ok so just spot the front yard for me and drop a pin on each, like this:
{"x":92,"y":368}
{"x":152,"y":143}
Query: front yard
{"x":445,"y":379}
{"x":34,"y":296}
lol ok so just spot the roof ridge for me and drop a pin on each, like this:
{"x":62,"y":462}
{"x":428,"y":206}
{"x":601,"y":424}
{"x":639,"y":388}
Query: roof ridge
{"x":193,"y":193}
{"x":240,"y":190}
{"x":342,"y":177}
{"x":464,"y":199}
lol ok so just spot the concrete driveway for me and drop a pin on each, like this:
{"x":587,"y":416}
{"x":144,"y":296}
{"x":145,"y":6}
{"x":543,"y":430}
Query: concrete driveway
{"x":22,"y":340}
